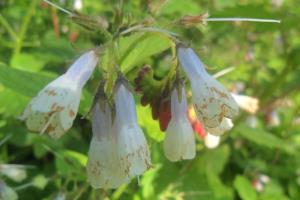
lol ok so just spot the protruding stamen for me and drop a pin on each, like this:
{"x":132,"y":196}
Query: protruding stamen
{"x":48,"y":123}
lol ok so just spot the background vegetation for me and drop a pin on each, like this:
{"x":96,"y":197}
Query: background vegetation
{"x":37,"y":43}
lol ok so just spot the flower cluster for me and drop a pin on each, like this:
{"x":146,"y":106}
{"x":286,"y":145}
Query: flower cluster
{"x":213,"y":104}
{"x":118,"y":149}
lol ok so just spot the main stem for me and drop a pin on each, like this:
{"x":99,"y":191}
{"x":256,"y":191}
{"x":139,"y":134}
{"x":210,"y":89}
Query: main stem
{"x":24,"y":27}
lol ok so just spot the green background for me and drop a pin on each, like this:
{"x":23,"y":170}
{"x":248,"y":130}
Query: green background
{"x":33,"y":51}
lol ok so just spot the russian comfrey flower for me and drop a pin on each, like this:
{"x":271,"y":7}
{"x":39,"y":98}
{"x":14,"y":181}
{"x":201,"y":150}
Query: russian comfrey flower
{"x":211,"y":100}
{"x":104,"y":167}
{"x":55,"y":107}
{"x":132,"y":147}
{"x":179,"y":142}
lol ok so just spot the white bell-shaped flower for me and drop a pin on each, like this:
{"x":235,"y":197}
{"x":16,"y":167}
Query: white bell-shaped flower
{"x":247,"y":103}
{"x":179,"y":143}
{"x":211,"y":141}
{"x":104,"y":168}
{"x":55,"y":107}
{"x":212,"y":101}
{"x":225,"y":125}
{"x":132,"y":147}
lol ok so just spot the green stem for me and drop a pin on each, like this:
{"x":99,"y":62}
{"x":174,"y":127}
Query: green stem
{"x":118,"y":193}
{"x":24,"y":27}
{"x":81,"y":190}
{"x":7,"y":26}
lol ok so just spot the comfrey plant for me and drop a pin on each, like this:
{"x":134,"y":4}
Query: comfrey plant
{"x":118,"y":149}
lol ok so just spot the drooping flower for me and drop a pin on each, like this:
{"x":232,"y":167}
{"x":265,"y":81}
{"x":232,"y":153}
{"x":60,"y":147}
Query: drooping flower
{"x":247,"y":103}
{"x":55,"y":107}
{"x":132,"y":147}
{"x":211,"y":141}
{"x":179,"y":143}
{"x":211,"y":100}
{"x":104,"y":168}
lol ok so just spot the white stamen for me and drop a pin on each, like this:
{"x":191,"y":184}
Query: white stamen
{"x":236,"y":19}
{"x":47,"y":124}
{"x":59,"y":8}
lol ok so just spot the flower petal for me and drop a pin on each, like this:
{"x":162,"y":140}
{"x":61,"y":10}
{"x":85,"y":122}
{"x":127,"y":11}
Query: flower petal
{"x":225,"y":125}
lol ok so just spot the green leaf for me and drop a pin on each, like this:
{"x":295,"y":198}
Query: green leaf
{"x":23,"y":82}
{"x":216,"y":159}
{"x":70,"y":162}
{"x":218,"y":188}
{"x":273,"y":190}
{"x":150,"y":125}
{"x":39,"y":149}
{"x":27,"y":62}
{"x":11,"y":102}
{"x":136,"y":48}
{"x":244,"y":188}
{"x":180,"y":7}
{"x":262,"y":137}
{"x":76,"y":156}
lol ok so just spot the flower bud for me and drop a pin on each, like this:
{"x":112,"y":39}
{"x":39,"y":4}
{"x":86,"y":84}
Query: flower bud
{"x":179,"y":143}
{"x":55,"y":107}
{"x":211,"y":141}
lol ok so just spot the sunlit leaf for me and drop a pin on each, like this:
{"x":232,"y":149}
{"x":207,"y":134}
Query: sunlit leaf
{"x":244,"y":188}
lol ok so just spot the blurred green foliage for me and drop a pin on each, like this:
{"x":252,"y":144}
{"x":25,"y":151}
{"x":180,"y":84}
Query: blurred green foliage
{"x":37,"y":43}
